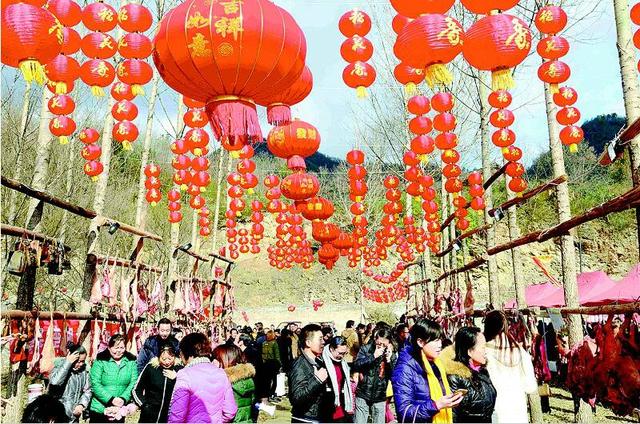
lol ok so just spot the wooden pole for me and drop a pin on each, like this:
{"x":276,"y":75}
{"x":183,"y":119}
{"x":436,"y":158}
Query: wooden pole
{"x":517,"y":201}
{"x":11,"y":230}
{"x":516,"y":259}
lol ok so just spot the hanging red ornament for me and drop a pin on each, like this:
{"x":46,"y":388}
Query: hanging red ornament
{"x":415,"y":8}
{"x":484,"y":7}
{"x":354,"y":22}
{"x":98,"y":74}
{"x":554,"y":72}
{"x":550,"y":19}
{"x":359,"y":75}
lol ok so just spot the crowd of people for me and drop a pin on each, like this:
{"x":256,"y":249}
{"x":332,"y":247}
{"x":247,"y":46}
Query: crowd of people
{"x":366,"y":373}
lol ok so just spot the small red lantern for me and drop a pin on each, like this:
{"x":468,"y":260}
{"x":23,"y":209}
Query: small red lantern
{"x":354,"y":22}
{"x":355,"y":157}
{"x":134,"y":17}
{"x":62,"y":71}
{"x":98,"y":45}
{"x":517,"y":185}
{"x":359,"y":75}
{"x":124,"y":110}
{"x":553,"y":47}
{"x":415,"y":8}
{"x":554,"y":72}
{"x":568,"y":116}
{"x":408,"y":76}
{"x":175,"y":217}
{"x":93,"y":169}
{"x":122,"y":91}
{"x":571,"y":136}
{"x":68,"y":12}
{"x":125,"y":132}
{"x":356,"y":48}
{"x":566,"y":96}
{"x":195,"y":118}
{"x":443,"y":102}
{"x":98,"y":74}
{"x":135,"y":46}
{"x":484,"y":7}
{"x":91,"y":152}
{"x":61,"y":104}
{"x":89,"y":136}
{"x":500,"y":99}
{"x":550,"y":19}
{"x":62,"y":127}
{"x":71,"y":41}
{"x":99,"y":17}
{"x":136,"y":73}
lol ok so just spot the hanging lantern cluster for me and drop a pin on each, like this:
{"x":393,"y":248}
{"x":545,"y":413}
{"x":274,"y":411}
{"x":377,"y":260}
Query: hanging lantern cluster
{"x":387,"y":235}
{"x":357,"y":50}
{"x":497,"y":43}
{"x":98,"y":46}
{"x":392,"y":277}
{"x":134,"y":47}
{"x":91,"y":153}
{"x":240,"y":182}
{"x":124,"y":111}
{"x":257,"y":228}
{"x":63,"y":70}
{"x":358,"y":189}
{"x":635,"y":18}
{"x":31,"y":37}
{"x":231,"y":56}
{"x":204,"y":222}
{"x":476,"y":191}
{"x":550,"y":20}
{"x":196,"y":143}
{"x":174,"y":205}
{"x":152,"y":184}
{"x":399,"y":291}
{"x":406,"y":75}
{"x":504,"y":138}
{"x":447,"y":141}
{"x":62,"y":126}
{"x":291,"y":247}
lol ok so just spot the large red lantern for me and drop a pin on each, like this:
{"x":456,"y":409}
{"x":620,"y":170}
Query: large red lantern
{"x":484,"y":7}
{"x":317,"y":208}
{"x":430,"y":42}
{"x":68,"y":12}
{"x":279,"y":110}
{"x":497,"y":43}
{"x":230,"y":55}
{"x":31,"y":37}
{"x":298,"y":138}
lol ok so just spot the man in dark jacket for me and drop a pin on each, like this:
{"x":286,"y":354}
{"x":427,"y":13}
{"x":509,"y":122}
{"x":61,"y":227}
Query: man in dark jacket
{"x":375,"y":361}
{"x":151,"y":348}
{"x":308,"y":380}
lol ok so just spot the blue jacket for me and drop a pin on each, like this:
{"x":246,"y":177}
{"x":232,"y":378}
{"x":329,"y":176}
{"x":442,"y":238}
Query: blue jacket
{"x":411,"y":390}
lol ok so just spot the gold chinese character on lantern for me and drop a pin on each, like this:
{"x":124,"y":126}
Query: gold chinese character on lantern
{"x":359,"y":70}
{"x":358,"y":43}
{"x":571,"y":113}
{"x":231,"y":6}
{"x":452,"y":32}
{"x":101,"y":69}
{"x":519,"y":35}
{"x":502,"y":116}
{"x":356,"y":17}
{"x":197,"y":116}
{"x":195,"y":136}
{"x":56,"y":123}
{"x":225,"y":26}
{"x":55,"y":102}
{"x":198,"y":46}
{"x":278,"y":136}
{"x":545,"y":16}
{"x":502,"y":97}
{"x":123,"y":15}
{"x":122,"y":130}
{"x":106,"y":42}
{"x":57,"y":28}
{"x":301,"y":133}
{"x":553,"y":71}
{"x":312,"y":134}
{"x":122,"y":72}
{"x":122,"y":43}
{"x":551,"y":46}
{"x":106,"y":14}
{"x":197,"y":21}
{"x":504,"y":135}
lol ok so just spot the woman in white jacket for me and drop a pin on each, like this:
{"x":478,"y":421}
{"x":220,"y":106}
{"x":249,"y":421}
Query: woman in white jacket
{"x":511,"y":371}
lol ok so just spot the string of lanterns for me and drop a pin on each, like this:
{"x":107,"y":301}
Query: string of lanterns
{"x":357,"y":50}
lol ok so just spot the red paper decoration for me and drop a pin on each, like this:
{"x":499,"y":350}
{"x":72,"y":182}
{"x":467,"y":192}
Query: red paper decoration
{"x":356,"y":50}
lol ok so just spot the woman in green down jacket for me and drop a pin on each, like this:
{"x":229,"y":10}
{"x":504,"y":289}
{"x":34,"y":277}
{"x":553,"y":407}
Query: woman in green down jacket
{"x":240,"y":373}
{"x":113,"y":375}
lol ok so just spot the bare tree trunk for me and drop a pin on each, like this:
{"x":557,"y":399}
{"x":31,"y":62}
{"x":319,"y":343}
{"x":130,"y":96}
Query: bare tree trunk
{"x":43,"y":157}
{"x":17,"y":173}
{"x":490,"y":234}
{"x":216,"y":210}
{"x":569,"y":275}
{"x":98,"y":205}
{"x":411,"y":302}
{"x":141,"y":204}
{"x":445,"y":234}
{"x":64,"y":222}
{"x":630,"y":88}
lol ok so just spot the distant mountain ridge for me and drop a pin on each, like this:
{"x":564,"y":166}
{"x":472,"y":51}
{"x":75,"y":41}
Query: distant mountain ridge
{"x":314,"y":162}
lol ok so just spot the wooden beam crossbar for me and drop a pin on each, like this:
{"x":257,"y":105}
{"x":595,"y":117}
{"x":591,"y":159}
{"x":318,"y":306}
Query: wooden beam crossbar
{"x":192,"y":254}
{"x":55,"y":315}
{"x":462,"y":237}
{"x":529,"y":194}
{"x":10,"y":230}
{"x":128,"y":264}
{"x":222,"y":258}
{"x":75,"y":209}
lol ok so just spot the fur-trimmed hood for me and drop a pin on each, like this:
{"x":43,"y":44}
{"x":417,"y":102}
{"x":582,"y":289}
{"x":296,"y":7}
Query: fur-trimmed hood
{"x":105,"y":355}
{"x":453,"y":367}
{"x":240,"y":372}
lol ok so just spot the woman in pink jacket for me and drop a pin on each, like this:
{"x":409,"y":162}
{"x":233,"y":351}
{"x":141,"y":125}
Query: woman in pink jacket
{"x":202,"y":393}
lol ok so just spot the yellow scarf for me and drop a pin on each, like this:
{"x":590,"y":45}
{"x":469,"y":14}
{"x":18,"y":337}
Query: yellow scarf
{"x":435,"y":390}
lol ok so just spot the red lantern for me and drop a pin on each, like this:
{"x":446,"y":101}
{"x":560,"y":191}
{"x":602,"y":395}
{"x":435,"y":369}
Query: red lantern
{"x":475,"y":178}
{"x":300,"y":186}
{"x":430,"y":42}
{"x":477,"y":204}
{"x":134,"y":17}
{"x":31,"y":37}
{"x":515,"y":169}
{"x":497,"y":43}
{"x":450,"y":156}
{"x":175,"y":217}
{"x":98,"y":45}
{"x":125,"y":132}
{"x":153,"y":170}
{"x":71,"y":41}
{"x":124,"y":110}
{"x":500,"y":99}
{"x":99,"y":17}
{"x":89,"y":136}
{"x":153,"y":196}
{"x":568,"y":116}
{"x":419,"y":105}
{"x":279,"y":111}
{"x":553,"y":47}
{"x":122,"y":91}
{"x":68,"y":12}
{"x":502,"y":118}
{"x":359,"y":75}
{"x":135,"y":46}
{"x":503,"y":138}
{"x":62,"y":71}
{"x":571,"y":136}
{"x":355,"y":157}
{"x":356,"y":48}
{"x":550,"y":19}
{"x":174,"y":206}
{"x":442,"y":102}
{"x":517,"y":185}
{"x":446,"y":141}
{"x":61,"y":104}
{"x":421,"y":145}
{"x":136,"y":73}
{"x":298,"y":138}
{"x":420,"y":125}
{"x":483,"y":7}
{"x":98,"y":74}
{"x":512,"y":153}
{"x":62,"y":127}
{"x":415,"y":8}
{"x":444,"y":122}
{"x":451,"y":171}
{"x":195,"y":118}
{"x":399,"y":22}
{"x":554,"y":72}
{"x":93,"y":169}
{"x":91,"y":152}
{"x":566,"y":96}
{"x":408,"y":76}
{"x":235,"y":56}
{"x":354,"y":22}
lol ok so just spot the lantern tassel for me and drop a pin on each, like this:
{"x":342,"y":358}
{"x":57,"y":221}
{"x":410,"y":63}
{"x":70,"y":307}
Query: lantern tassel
{"x":63,"y":140}
{"x":126,"y":145}
{"x":573,"y":148}
{"x":61,"y":87}
{"x":137,"y":90}
{"x":197,"y":151}
{"x":361,"y":92}
{"x":554,"y":88}
{"x":94,"y":178}
{"x":411,"y":89}
{"x":438,"y":74}
{"x":502,"y":79}
{"x":32,"y":71}
{"x":278,"y":114}
{"x":97,"y":91}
